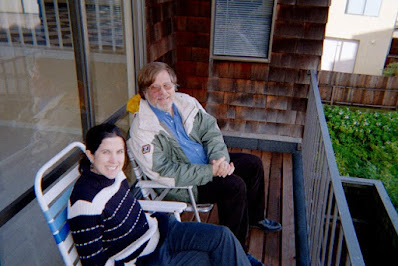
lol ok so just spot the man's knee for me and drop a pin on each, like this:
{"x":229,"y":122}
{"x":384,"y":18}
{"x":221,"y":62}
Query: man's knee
{"x":236,"y":185}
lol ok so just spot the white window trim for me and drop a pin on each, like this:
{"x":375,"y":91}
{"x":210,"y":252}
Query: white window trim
{"x":241,"y":58}
{"x":363,"y":13}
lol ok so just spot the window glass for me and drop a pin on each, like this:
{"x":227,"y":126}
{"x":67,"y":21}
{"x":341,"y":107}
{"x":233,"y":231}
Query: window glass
{"x":39,"y":99}
{"x":242,"y":29}
{"x":363,"y":7}
{"x":339,"y":55}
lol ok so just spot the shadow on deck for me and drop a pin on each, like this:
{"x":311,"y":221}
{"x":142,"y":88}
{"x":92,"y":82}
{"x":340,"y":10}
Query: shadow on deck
{"x":276,"y":248}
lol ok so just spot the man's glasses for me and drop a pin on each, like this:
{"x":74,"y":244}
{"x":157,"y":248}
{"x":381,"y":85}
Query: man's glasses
{"x":156,"y":88}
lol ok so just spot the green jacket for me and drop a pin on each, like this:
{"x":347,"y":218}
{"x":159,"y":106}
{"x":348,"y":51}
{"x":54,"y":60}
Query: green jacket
{"x":160,"y":156}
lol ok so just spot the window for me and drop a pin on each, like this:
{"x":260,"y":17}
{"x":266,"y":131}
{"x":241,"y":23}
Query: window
{"x":242,"y":29}
{"x":363,"y":7}
{"x":339,"y":55}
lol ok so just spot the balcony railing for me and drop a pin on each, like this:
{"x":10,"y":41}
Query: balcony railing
{"x":331,"y":234}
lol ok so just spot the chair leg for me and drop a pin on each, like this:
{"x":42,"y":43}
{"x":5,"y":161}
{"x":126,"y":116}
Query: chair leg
{"x":177,"y":216}
{"x":195,"y":208}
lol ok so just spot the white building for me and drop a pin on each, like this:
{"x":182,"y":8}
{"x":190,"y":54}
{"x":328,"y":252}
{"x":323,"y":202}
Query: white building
{"x":358,"y":35}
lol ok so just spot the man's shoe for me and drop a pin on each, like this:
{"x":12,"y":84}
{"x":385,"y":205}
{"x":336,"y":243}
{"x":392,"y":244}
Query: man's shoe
{"x":268,"y":225}
{"x":254,"y":261}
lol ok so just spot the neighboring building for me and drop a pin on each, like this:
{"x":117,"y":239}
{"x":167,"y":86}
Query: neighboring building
{"x":358,"y":35}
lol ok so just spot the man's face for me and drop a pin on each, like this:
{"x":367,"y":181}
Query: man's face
{"x":161,"y":93}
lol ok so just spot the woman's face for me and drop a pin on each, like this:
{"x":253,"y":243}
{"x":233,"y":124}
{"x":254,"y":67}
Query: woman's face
{"x":109,"y":158}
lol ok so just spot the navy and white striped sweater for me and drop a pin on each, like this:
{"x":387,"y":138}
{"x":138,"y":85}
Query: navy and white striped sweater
{"x":108,"y":224}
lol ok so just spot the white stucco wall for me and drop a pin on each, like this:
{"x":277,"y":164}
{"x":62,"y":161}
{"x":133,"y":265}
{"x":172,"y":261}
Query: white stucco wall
{"x":373,"y":33}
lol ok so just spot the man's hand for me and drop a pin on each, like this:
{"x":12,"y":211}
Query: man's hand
{"x":222,"y":168}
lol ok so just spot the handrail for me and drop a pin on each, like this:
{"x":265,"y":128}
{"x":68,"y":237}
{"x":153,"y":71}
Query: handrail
{"x":331,"y":233}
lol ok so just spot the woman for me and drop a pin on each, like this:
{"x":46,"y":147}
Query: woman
{"x":109,"y":226}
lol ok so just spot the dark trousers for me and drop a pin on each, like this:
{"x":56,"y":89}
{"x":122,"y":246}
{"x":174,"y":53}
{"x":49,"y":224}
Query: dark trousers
{"x":240,"y":196}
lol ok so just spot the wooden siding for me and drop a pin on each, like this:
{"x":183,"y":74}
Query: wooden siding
{"x":275,"y":92}
{"x":276,"y":248}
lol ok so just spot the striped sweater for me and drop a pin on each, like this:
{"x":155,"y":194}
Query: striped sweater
{"x":108,"y":224}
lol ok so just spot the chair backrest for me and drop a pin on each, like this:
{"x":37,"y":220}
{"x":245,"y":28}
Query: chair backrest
{"x":147,"y":192}
{"x":54,"y":204}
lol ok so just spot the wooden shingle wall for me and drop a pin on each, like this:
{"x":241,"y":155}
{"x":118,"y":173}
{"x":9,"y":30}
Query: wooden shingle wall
{"x":245,"y":97}
{"x":160,"y":34}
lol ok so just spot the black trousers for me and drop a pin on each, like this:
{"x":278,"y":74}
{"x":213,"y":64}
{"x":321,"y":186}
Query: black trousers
{"x":240,"y":196}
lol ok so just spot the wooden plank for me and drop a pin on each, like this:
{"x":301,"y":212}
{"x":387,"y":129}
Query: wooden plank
{"x":266,"y":158}
{"x":256,"y":243}
{"x":288,"y":236}
{"x":272,"y":239}
{"x":213,"y":217}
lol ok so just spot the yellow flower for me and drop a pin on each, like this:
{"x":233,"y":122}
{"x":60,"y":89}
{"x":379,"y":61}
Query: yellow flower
{"x":133,"y":104}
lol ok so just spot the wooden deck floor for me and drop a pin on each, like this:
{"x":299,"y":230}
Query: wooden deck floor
{"x":276,"y":248}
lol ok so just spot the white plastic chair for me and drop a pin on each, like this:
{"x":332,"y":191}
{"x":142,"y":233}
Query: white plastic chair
{"x":54,"y":203}
{"x":147,"y":188}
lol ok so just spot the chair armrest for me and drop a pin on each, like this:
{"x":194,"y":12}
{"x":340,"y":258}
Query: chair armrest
{"x":153,"y":184}
{"x":162,"y":206}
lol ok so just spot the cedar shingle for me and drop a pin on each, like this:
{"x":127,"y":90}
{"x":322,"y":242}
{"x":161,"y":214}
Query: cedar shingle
{"x":225,"y":84}
{"x":277,"y":102}
{"x":194,"y":8}
{"x":196,"y":82}
{"x":259,"y":101}
{"x":267,"y":128}
{"x":184,"y":53}
{"x":288,"y":30}
{"x":252,"y":126}
{"x":244,"y":85}
{"x":283,"y":45}
{"x":303,"y":14}
{"x":300,"y":91}
{"x":217,"y":110}
{"x":216,"y":97}
{"x":231,"y":112}
{"x":298,"y":104}
{"x":250,"y":114}
{"x":237,"y":125}
{"x":300,"y":118}
{"x":309,"y":47}
{"x":202,"y":69}
{"x":221,"y":69}
{"x":198,"y":24}
{"x":259,"y":72}
{"x":324,"y":3}
{"x":200,"y":95}
{"x":222,"y":124}
{"x":260,"y":87}
{"x":238,"y":99}
{"x":240,"y":70}
{"x":181,"y":23}
{"x":200,"y":54}
{"x":314,"y":31}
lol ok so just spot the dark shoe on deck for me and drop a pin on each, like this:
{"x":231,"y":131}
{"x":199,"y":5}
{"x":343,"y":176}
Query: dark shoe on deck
{"x":254,"y":261}
{"x":268,"y":225}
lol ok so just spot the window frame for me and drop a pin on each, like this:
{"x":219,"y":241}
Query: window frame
{"x":336,"y":64}
{"x":241,"y":58}
{"x":363,"y":12}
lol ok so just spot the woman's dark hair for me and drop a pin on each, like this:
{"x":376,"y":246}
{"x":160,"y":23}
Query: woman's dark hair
{"x":94,"y":138}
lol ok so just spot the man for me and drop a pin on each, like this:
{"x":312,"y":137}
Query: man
{"x":177,"y":143}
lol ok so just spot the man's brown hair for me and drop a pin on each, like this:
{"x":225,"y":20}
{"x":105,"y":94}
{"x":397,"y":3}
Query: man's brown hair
{"x":148,"y":73}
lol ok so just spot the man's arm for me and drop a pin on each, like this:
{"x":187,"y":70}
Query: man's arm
{"x":153,"y":154}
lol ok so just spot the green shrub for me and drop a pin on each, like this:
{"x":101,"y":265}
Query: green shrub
{"x":391,"y":70}
{"x":365,"y":143}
